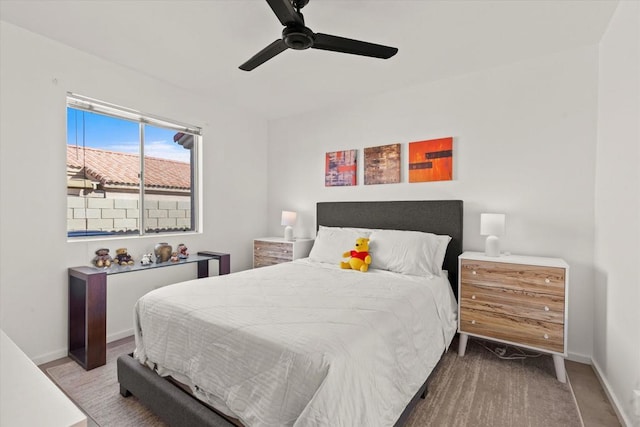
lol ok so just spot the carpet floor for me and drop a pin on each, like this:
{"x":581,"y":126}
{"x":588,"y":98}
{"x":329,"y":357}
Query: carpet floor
{"x":476,"y":390}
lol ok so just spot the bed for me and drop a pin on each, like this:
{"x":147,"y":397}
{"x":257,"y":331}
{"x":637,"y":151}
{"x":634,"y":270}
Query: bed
{"x":303,"y":343}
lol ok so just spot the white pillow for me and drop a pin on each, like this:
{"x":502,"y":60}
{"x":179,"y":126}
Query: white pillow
{"x":332,"y":242}
{"x":408,"y":252}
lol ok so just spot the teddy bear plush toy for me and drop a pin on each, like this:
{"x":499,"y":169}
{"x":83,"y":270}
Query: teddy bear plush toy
{"x":102,"y":258}
{"x":360,"y":258}
{"x":122,"y":257}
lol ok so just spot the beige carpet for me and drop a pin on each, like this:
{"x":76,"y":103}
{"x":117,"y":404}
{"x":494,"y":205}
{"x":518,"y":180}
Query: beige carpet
{"x":97,"y":392}
{"x":476,"y":390}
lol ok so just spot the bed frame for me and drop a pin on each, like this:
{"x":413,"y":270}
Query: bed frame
{"x":177,"y":407}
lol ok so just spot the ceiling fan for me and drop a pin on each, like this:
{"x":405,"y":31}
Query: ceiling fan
{"x":296,"y":35}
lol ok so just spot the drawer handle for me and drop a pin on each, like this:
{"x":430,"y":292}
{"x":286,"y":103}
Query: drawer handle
{"x":546,"y":308}
{"x":547,"y":281}
{"x":473,"y":272}
{"x":473,"y":322}
{"x":546,"y":336}
{"x":473,"y":297}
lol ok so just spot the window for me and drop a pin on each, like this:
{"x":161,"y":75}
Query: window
{"x":128,"y":173}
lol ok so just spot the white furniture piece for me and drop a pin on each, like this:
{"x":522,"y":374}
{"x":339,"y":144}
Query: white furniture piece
{"x":28,"y":397}
{"x":274,"y":250}
{"x":517,"y":300}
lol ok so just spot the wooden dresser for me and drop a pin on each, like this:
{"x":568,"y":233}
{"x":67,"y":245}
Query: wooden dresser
{"x":275,"y":250}
{"x":518,"y":300}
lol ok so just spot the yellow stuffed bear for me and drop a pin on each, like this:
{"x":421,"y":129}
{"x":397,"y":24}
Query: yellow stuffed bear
{"x":360,"y":258}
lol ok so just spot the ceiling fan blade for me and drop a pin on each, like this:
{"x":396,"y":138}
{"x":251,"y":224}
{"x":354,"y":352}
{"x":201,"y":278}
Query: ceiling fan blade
{"x":264,"y":55}
{"x":355,"y":47}
{"x":285,"y":12}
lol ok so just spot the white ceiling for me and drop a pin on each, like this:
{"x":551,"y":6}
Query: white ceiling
{"x":198,"y":45}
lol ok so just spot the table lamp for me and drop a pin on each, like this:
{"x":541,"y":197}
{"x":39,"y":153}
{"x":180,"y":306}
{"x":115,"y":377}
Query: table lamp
{"x":492,"y":226}
{"x":288,"y":219}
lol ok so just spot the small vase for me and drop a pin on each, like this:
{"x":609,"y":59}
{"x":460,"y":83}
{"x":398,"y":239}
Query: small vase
{"x":162,"y":252}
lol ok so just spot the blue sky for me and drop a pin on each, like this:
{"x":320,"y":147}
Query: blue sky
{"x":108,"y":133}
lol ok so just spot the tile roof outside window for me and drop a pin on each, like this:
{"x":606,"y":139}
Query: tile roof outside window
{"x":112,"y":168}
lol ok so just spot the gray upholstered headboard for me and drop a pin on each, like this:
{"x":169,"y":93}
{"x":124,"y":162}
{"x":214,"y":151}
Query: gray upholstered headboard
{"x":432,"y":216}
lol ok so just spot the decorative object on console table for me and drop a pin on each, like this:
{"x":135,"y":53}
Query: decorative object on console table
{"x":123,"y":257}
{"x":288,"y":220}
{"x":88,"y":304}
{"x":517,"y":300}
{"x":102,"y":258}
{"x":274,"y":250}
{"x":183,"y":252}
{"x":162,"y":252}
{"x":492,"y":226}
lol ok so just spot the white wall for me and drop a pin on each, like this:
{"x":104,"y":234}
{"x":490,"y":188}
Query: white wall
{"x":616,"y":351}
{"x":524,"y":144}
{"x":35,"y":74}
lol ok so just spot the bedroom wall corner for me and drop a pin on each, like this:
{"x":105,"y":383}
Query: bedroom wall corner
{"x":35,"y":74}
{"x":524,"y":144}
{"x":616,"y":352}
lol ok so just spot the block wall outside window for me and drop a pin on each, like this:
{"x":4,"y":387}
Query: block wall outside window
{"x":120,"y":215}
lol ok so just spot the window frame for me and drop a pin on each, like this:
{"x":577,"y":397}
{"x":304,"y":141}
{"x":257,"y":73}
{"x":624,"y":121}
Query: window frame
{"x":83,"y":103}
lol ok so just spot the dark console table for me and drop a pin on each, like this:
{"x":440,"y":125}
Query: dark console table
{"x":88,"y":303}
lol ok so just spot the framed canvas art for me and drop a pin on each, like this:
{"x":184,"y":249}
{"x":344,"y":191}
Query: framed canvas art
{"x":341,"y":168}
{"x":382,"y":164}
{"x":431,"y":160}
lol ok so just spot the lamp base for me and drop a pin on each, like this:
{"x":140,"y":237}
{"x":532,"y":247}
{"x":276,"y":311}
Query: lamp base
{"x":492,"y":246}
{"x":288,"y":233}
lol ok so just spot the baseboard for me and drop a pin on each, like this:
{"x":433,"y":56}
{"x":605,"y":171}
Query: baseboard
{"x":575,"y":401}
{"x":119,"y":335}
{"x":50,"y":357}
{"x":615,"y":403}
{"x":580,"y":358}
{"x":63,"y":352}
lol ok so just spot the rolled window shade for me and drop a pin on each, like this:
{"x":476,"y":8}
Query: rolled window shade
{"x":93,"y":105}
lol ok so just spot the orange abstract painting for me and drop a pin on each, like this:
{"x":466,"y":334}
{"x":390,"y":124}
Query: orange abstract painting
{"x":431,"y":160}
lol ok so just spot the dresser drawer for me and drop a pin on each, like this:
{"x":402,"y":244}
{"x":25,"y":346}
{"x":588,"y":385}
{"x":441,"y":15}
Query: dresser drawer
{"x":533,"y":278}
{"x":263,"y":261}
{"x":518,"y":330}
{"x":278,"y":250}
{"x":270,"y":253}
{"x":513,"y":302}
{"x":275,"y":250}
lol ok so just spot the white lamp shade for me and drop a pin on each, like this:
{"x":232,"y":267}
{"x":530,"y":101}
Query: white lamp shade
{"x":492,"y":224}
{"x":288,"y":218}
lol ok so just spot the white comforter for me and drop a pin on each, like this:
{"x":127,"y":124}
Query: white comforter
{"x":299,"y":344}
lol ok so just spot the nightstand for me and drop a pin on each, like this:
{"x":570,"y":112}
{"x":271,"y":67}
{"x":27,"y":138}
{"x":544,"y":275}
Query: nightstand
{"x":275,"y":250}
{"x":518,"y":300}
